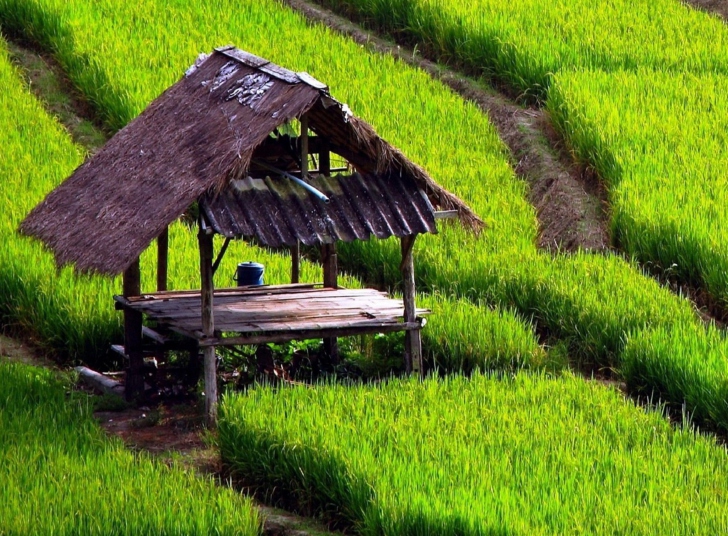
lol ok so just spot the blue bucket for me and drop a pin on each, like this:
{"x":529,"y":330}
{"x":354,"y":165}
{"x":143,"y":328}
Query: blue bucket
{"x":249,"y":274}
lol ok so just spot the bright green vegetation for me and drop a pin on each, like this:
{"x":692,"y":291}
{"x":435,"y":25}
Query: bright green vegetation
{"x":660,"y":141}
{"x":664,"y":360}
{"x":526,"y":455}
{"x":524,"y":42}
{"x":61,"y":475}
{"x":592,"y":303}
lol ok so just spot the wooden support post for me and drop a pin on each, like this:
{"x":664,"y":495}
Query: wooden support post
{"x":296,"y":250}
{"x":412,"y":341}
{"x":331,"y":272}
{"x":134,"y":385}
{"x":324,"y":159}
{"x":304,"y":146}
{"x":208,"y":326}
{"x":162,"y":259}
{"x":295,"y":262}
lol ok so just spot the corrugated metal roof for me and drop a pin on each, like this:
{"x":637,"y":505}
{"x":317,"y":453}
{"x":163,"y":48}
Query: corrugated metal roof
{"x":278,"y":212}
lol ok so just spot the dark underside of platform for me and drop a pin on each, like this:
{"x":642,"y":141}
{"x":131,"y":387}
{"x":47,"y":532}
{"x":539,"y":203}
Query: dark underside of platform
{"x":254,"y":315}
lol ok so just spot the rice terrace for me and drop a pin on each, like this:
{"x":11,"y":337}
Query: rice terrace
{"x":398,"y":267}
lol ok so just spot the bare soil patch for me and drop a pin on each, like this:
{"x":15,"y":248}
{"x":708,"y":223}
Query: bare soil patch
{"x":15,"y":350}
{"x":717,"y":7}
{"x":47,"y":80}
{"x":569,"y":201}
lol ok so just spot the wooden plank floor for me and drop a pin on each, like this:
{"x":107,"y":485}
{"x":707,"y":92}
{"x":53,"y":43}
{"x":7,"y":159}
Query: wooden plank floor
{"x":285,"y":308}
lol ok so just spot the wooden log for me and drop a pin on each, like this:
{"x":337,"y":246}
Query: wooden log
{"x":329,"y":259}
{"x":162,"y":259}
{"x":208,"y":326}
{"x":133,"y":344}
{"x":295,"y":263}
{"x":412,"y":341}
{"x":100,"y":382}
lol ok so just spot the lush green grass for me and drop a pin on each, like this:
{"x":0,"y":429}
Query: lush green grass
{"x":526,"y":455}
{"x":660,"y":141}
{"x":663,"y":361}
{"x":61,"y":475}
{"x":524,"y":42}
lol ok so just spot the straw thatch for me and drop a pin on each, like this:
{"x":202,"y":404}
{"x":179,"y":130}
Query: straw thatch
{"x":196,"y":137}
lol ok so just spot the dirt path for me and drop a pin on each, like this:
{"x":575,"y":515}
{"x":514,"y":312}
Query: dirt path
{"x":49,"y":83}
{"x":570,"y":204}
{"x":718,"y":7}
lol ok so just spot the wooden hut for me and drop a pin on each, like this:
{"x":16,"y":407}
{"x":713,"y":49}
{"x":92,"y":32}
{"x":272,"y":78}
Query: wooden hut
{"x":214,"y":138}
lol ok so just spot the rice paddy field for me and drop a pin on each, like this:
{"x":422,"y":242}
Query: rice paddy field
{"x":512,"y":452}
{"x":482,"y":455}
{"x":525,"y":42}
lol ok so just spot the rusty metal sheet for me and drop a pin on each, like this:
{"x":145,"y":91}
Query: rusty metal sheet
{"x":278,"y":212}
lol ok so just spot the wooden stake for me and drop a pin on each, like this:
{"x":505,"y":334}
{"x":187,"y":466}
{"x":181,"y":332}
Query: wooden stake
{"x":208,"y":326}
{"x":295,"y":262}
{"x":412,"y":341}
{"x":162,"y":259}
{"x":134,"y":386}
{"x":330,"y":264}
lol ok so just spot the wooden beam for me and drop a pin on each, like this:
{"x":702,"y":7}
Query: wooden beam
{"x":208,"y":326}
{"x":329,"y":261}
{"x":133,"y":345}
{"x":162,"y":259}
{"x":412,"y":341}
{"x":300,"y":335}
{"x":296,"y":263}
{"x":220,"y":255}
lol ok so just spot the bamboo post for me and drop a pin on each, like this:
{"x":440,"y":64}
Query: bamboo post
{"x":330,"y":264}
{"x":208,"y":326}
{"x":162,"y":259}
{"x":412,"y":341}
{"x":134,"y":386}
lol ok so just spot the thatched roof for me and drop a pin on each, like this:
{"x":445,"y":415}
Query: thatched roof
{"x":197,"y":137}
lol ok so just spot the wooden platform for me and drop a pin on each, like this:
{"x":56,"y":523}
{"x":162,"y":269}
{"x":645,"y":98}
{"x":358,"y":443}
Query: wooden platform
{"x":256,"y":315}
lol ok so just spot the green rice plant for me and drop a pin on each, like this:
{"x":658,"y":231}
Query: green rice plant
{"x":485,"y":455}
{"x":61,"y":475}
{"x":460,"y":336}
{"x":524,"y":42}
{"x":660,"y":141}
{"x":661,"y":362}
